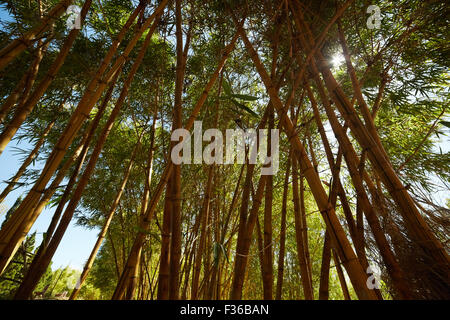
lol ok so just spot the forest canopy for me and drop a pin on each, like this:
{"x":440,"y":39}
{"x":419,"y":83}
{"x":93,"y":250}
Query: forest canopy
{"x":358,"y":208}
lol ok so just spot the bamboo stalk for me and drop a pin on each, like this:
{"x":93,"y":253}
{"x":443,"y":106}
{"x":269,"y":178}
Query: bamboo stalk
{"x":301,"y":250}
{"x":325,"y":269}
{"x":368,"y":119}
{"x":341,"y":276}
{"x":267,"y":269}
{"x":132,"y":282}
{"x":201,"y":244}
{"x":175,"y":243}
{"x":13,"y":97}
{"x":282,"y":249}
{"x":49,"y":192}
{"x":304,"y":228}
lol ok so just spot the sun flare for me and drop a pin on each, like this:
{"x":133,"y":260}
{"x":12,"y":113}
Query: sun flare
{"x":337,"y":60}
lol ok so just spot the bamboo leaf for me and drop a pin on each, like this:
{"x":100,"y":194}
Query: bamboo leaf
{"x":244,"y":107}
{"x":216,"y":252}
{"x":226,"y":87}
{"x":245,"y":97}
{"x":224,"y":252}
{"x":446,"y":123}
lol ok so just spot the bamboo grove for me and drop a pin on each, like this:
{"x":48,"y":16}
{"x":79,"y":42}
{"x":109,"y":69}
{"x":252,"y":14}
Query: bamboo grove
{"x":360,"y":154}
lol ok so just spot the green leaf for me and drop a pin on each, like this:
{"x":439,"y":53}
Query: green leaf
{"x":147,"y":232}
{"x":244,"y":107}
{"x":225,"y":97}
{"x":55,"y":201}
{"x":216,"y":253}
{"x":226,"y":87}
{"x":224,"y":252}
{"x":245,"y":97}
{"x":446,"y":123}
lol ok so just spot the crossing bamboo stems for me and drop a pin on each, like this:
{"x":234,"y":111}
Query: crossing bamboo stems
{"x":352,"y":162}
{"x":244,"y":241}
{"x":341,"y":243}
